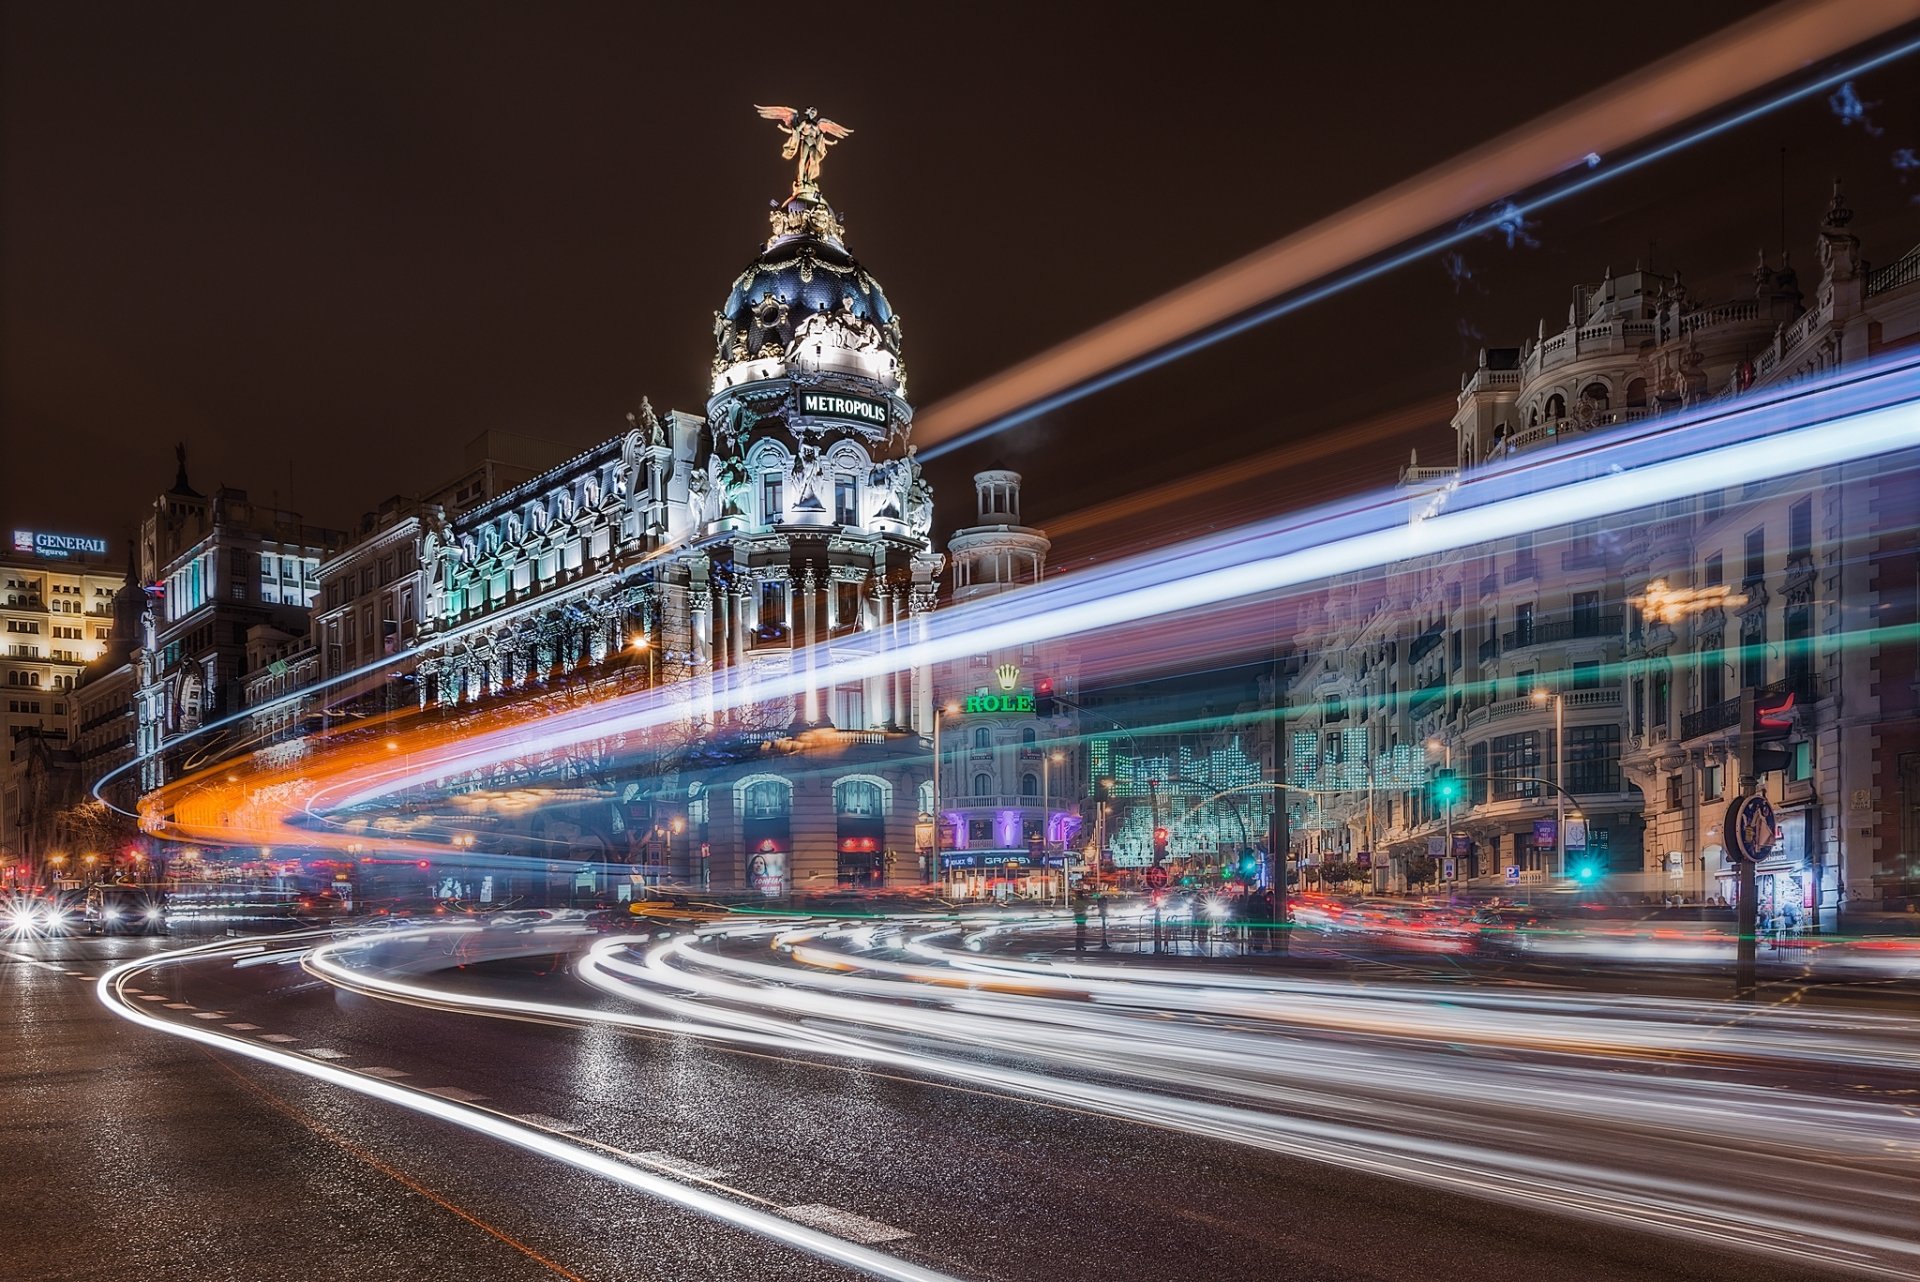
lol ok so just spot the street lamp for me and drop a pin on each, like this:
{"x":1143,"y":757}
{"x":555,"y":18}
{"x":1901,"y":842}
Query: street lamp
{"x":1544,"y":696}
{"x":1046,"y":817}
{"x":640,"y":642}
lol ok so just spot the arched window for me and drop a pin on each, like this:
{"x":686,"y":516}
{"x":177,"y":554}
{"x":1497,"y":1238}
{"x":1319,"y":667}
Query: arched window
{"x":1028,"y":737}
{"x":926,"y":796}
{"x":1556,"y":406}
{"x":982,"y":739}
{"x":1029,"y":785}
{"x":983,"y":785}
{"x":1596,"y":395}
{"x":1637,"y":393}
{"x":858,"y":797}
{"x":768,"y":799}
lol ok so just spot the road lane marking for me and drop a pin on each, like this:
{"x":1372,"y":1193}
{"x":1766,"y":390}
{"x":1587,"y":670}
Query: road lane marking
{"x":458,"y":1094}
{"x":179,"y":1005}
{"x":680,"y":1166}
{"x":546,"y":1123}
{"x":245,"y":1028}
{"x":381,"y":1070}
{"x":79,"y":974}
{"x":321,"y":1052}
{"x":152,"y":997}
{"x":855,"y":1228}
{"x":209,"y":1014}
{"x":277,"y":1037}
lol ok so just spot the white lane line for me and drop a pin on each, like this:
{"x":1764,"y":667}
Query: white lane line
{"x":277,"y":1037}
{"x":680,"y":1166}
{"x":209,"y":1014}
{"x":381,"y":1070}
{"x":546,"y":1123}
{"x":245,"y":1028}
{"x":179,"y":1005}
{"x":855,"y":1228}
{"x":321,"y":1052}
{"x":459,"y":1095}
{"x":79,"y":974}
{"x":152,"y":997}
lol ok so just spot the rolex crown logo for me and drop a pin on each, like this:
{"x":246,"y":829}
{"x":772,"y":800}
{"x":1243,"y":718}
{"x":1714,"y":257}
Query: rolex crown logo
{"x":1009,"y":675}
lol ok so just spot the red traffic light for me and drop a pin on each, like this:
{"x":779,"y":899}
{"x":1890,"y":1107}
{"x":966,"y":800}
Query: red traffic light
{"x":423,"y":864}
{"x":1160,"y":836}
{"x":1043,"y":686}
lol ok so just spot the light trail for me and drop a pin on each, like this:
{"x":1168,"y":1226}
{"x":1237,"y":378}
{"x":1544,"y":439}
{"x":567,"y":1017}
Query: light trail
{"x":1744,"y":58}
{"x":1647,"y":1092}
{"x":861,"y":1259}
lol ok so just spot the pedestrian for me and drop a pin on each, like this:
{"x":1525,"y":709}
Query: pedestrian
{"x":1080,"y":923}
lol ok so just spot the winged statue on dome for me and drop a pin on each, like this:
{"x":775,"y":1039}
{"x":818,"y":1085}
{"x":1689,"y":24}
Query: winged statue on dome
{"x":809,"y":134}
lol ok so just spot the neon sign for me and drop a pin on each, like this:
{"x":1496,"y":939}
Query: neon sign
{"x":990,"y":703}
{"x":58,"y":546}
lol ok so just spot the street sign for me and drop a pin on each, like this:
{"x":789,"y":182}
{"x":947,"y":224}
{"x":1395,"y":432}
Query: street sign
{"x":1513,"y":874}
{"x":1157,"y":877}
{"x":1436,"y":847}
{"x":1364,"y":859}
{"x":1446,"y":868}
{"x":1462,"y":845}
{"x":1751,"y":828}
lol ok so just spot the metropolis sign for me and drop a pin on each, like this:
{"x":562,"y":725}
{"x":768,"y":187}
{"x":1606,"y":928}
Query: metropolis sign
{"x":860,"y":409}
{"x":58,"y":546}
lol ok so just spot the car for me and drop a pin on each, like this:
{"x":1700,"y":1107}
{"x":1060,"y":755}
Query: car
{"x":116,"y":910}
{"x":674,"y":908}
{"x":35,"y":915}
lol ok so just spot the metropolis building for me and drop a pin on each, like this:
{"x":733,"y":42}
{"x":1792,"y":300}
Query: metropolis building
{"x":724,"y":555}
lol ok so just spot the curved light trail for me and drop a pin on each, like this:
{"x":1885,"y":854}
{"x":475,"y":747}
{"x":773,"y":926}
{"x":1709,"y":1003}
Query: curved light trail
{"x":532,"y":1139}
{"x":1652,"y":1114}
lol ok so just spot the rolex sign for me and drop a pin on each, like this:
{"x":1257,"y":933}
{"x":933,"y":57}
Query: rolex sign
{"x":858,"y":409}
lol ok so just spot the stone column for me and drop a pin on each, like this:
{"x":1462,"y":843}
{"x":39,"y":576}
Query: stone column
{"x":810,"y":612}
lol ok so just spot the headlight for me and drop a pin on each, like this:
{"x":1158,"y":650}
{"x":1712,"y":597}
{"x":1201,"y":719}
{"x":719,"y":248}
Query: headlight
{"x":110,"y":913}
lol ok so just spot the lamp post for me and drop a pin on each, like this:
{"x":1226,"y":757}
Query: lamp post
{"x":1046,"y":818}
{"x":1446,"y":746}
{"x":642,"y":643}
{"x":1559,"y":701}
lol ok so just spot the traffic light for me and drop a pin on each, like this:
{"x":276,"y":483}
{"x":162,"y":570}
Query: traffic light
{"x":1249,"y":866}
{"x":1447,"y":788}
{"x":1774,"y":719}
{"x":1159,"y":844}
{"x":1586,"y":872}
{"x":1043,"y":697}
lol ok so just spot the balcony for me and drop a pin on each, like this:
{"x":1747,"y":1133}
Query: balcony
{"x":1554,"y":631}
{"x":1489,"y":650}
{"x":1719,"y":716}
{"x":1521,"y":570}
{"x":1424,"y":644}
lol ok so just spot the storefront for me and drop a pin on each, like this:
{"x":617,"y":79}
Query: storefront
{"x":999,"y":875}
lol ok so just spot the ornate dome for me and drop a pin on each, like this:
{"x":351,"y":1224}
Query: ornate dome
{"x":804,"y":271}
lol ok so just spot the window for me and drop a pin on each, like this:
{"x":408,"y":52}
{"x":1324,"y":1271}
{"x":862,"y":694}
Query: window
{"x":983,"y":785}
{"x":1515,"y":765}
{"x":1596,"y":396}
{"x":1753,"y":649}
{"x":1713,"y":677}
{"x":1799,"y":649}
{"x":1710,"y":781}
{"x":1662,"y":692}
{"x":769,"y":799}
{"x":860,"y":798}
{"x":1756,"y":554}
{"x":1523,"y":624}
{"x":1029,"y":785}
{"x":1593,"y":759}
{"x":982,"y":739}
{"x":846,"y":503}
{"x":1586,"y":674}
{"x":1716,"y":571}
{"x":1800,"y":531}
{"x":1673,"y":792}
{"x":1556,"y":406}
{"x":773,"y":606}
{"x":1636,"y":393}
{"x":772,"y":504}
{"x":846,"y":605}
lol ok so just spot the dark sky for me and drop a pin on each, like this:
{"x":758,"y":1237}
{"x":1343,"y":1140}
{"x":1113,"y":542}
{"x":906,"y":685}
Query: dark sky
{"x":326,"y":245}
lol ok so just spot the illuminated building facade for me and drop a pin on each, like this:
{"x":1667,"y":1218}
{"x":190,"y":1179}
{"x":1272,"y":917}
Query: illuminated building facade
{"x":721,"y":555}
{"x":215,"y":568}
{"x":1641,"y":634}
{"x":1010,"y":769}
{"x":56,"y":615}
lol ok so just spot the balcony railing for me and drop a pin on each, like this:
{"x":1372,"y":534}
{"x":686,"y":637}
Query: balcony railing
{"x":1550,"y":632}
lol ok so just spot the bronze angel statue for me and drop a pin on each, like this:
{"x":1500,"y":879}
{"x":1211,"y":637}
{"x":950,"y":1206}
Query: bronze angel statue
{"x":808,"y":137}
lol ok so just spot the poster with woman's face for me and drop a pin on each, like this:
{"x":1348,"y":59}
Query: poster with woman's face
{"x":767,"y":872}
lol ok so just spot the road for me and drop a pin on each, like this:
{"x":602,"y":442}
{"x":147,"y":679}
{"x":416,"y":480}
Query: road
{"x":139,"y":1154}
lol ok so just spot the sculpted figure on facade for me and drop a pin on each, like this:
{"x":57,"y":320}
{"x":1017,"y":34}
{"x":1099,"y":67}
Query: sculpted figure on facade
{"x":809,"y":472}
{"x":809,"y":134}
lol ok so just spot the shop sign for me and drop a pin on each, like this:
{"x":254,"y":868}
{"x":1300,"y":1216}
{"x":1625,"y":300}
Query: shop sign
{"x":997,"y":703}
{"x":1462,"y":845}
{"x":923,"y":835}
{"x":985,"y":859}
{"x":58,"y":547}
{"x":1544,"y":832}
{"x":859,"y":409}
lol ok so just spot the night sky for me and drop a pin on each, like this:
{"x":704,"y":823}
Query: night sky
{"x":326,"y":245}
